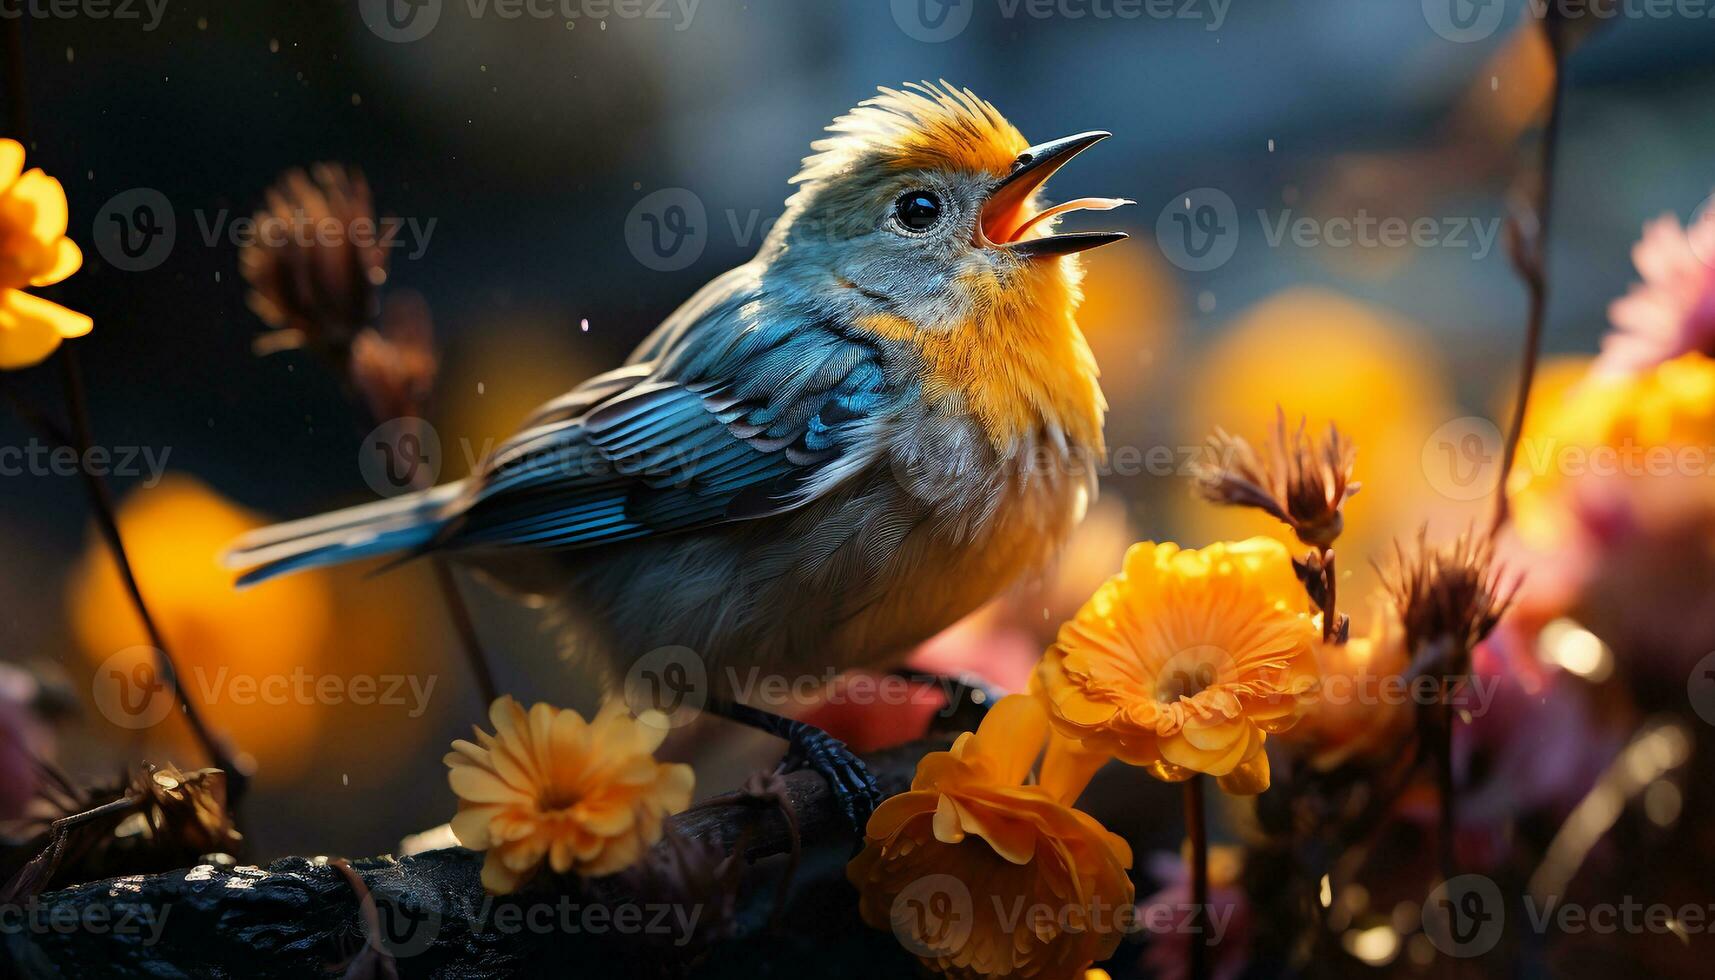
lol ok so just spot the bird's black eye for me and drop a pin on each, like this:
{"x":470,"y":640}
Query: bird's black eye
{"x":918,"y":210}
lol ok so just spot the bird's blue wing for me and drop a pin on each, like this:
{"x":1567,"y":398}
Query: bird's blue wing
{"x":733,"y":420}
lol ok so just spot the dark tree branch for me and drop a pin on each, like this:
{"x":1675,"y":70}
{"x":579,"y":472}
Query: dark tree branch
{"x":299,"y":917}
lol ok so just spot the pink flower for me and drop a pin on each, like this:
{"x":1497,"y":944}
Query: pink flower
{"x":1672,"y":312}
{"x":17,"y":766}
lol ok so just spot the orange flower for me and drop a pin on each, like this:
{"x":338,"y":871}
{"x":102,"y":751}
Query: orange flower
{"x":1184,"y":661}
{"x":1362,"y":709}
{"x":587,"y":797}
{"x":34,"y":251}
{"x":221,"y":637}
{"x":981,"y":874}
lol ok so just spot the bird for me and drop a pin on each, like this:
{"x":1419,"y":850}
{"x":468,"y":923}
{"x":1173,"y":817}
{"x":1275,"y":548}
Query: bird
{"x":827,"y":454}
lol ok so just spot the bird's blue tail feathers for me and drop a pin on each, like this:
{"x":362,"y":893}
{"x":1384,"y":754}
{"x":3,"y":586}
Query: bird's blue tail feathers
{"x":380,"y":528}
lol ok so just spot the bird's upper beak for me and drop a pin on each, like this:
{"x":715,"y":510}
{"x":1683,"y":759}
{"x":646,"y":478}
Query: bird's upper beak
{"x":1008,"y":220}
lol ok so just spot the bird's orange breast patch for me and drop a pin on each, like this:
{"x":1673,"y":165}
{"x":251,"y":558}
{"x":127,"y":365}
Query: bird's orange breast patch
{"x":1020,"y":365}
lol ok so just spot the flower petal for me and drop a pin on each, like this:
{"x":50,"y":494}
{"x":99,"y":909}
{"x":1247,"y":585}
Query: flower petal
{"x":1010,"y":738}
{"x":46,"y":201}
{"x":31,"y":328}
{"x":68,"y":258}
{"x":1249,"y":778}
{"x":481,"y":786}
{"x":11,"y":162}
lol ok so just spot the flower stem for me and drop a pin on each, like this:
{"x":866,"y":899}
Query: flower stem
{"x":106,"y":518}
{"x":17,"y":113}
{"x":1197,"y":834}
{"x":100,"y":498}
{"x":463,"y":624}
{"x":1330,"y":615}
{"x":1530,"y":258}
{"x":1444,"y":780}
{"x":459,"y":613}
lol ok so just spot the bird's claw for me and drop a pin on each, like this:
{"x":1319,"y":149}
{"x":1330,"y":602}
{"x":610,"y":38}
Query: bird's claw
{"x":849,"y":779}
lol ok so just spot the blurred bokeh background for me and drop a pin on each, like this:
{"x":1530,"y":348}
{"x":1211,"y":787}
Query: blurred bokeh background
{"x":528,"y":153}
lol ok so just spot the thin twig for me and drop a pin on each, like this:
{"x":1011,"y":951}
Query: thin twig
{"x":1530,"y":258}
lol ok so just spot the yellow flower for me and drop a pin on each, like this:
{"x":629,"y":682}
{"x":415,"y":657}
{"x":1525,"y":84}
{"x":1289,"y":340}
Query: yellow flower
{"x":1650,"y":426}
{"x":981,"y":874}
{"x":586,"y":797}
{"x":34,"y":251}
{"x":1184,"y":661}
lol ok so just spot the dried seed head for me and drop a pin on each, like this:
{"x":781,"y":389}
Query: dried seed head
{"x":1303,"y":482}
{"x":1448,"y":597}
{"x":312,"y":268}
{"x":394,"y":367}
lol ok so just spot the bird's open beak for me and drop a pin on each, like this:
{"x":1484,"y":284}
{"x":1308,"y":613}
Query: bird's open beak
{"x":1009,"y":221}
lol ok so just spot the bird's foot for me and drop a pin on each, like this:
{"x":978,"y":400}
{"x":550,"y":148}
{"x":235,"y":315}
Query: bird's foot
{"x":848,"y":777}
{"x":854,"y":788}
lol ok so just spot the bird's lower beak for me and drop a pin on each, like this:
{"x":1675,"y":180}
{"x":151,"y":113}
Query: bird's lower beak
{"x":1010,"y":221}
